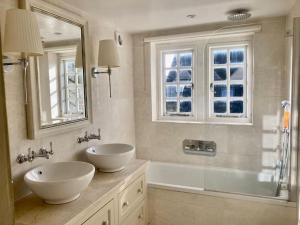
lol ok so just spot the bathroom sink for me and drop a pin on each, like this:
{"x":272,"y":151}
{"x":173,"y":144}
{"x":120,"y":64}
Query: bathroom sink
{"x":60,"y":182}
{"x":110,"y":157}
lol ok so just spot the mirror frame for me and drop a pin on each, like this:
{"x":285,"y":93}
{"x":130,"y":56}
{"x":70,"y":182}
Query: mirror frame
{"x":34,"y":128}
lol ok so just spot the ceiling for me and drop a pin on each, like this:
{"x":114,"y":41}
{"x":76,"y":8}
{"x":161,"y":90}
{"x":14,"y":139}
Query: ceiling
{"x":53,"y":30}
{"x":144,"y":15}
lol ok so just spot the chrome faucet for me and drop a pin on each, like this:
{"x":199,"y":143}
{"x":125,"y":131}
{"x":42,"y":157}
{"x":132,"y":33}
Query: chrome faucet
{"x":95,"y":136}
{"x":87,"y":138}
{"x":42,"y":153}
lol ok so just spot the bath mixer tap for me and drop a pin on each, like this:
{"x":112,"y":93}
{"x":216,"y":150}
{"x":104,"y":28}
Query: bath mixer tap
{"x":42,"y":153}
{"x":87,"y":138}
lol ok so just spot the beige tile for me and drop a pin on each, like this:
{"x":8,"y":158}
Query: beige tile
{"x":171,"y":208}
{"x":241,"y":147}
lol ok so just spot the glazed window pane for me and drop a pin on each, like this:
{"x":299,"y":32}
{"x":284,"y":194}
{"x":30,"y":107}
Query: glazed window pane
{"x":171,"y":106}
{"x":170,"y":60}
{"x":220,"y":74}
{"x":171,"y":91}
{"x":185,"y":90}
{"x":220,"y":91}
{"x":237,"y":56}
{"x":236,"y":90}
{"x":185,"y":75}
{"x":236,"y":73}
{"x":220,"y":107}
{"x":220,"y":57}
{"x":185,"y":59}
{"x":185,"y":106}
{"x":171,"y":76}
{"x":236,"y":107}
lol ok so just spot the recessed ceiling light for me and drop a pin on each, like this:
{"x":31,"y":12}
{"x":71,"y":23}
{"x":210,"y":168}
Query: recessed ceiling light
{"x":191,"y":16}
{"x":57,"y":33}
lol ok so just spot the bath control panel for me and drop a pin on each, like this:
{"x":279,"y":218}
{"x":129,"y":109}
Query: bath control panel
{"x":198,"y":147}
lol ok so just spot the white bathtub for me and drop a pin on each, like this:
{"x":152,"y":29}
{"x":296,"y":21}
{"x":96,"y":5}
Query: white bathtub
{"x":184,"y":194}
{"x":196,"y":178}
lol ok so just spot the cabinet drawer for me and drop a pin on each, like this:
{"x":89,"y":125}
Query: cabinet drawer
{"x":105,"y":216}
{"x":137,"y":217}
{"x":132,"y":194}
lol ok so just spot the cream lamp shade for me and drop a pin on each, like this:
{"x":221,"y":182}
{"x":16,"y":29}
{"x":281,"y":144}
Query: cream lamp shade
{"x":22,"y":34}
{"x":108,"y":54}
{"x":78,"y":59}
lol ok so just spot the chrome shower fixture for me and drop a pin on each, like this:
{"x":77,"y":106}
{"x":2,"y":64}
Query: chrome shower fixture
{"x":238,"y":15}
{"x":285,"y":103}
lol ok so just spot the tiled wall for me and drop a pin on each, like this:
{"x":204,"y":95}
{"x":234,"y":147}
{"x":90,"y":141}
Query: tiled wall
{"x":243,"y":147}
{"x":176,"y":208}
{"x":114,"y":116}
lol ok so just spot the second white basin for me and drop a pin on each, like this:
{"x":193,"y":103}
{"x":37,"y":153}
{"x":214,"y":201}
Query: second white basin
{"x":61,"y":182}
{"x":110,"y":157}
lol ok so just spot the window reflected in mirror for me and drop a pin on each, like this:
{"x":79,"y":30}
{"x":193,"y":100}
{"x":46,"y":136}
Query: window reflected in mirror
{"x":60,"y":71}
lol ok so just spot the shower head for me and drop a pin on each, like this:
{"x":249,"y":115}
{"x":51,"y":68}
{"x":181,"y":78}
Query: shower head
{"x":238,"y":15}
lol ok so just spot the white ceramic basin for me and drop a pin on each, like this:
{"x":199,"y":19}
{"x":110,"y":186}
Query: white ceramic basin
{"x":61,"y":182}
{"x":110,"y":157}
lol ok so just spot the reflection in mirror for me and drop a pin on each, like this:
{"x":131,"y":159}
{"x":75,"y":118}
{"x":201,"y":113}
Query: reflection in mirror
{"x":60,"y":71}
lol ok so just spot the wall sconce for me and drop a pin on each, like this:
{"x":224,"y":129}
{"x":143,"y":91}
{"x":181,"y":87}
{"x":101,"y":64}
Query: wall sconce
{"x":108,"y":58}
{"x":22,"y":35}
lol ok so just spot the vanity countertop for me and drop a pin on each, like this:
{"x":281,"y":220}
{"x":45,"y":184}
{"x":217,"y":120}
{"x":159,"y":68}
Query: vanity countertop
{"x":31,"y":210}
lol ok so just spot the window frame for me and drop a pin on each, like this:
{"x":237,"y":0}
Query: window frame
{"x":63,"y":60}
{"x":247,"y":83}
{"x":177,"y":83}
{"x":160,"y":51}
{"x":201,"y":79}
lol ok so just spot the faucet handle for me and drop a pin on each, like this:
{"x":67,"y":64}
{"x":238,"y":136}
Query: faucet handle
{"x":31,"y":155}
{"x":43,"y":150}
{"x":51,"y":148}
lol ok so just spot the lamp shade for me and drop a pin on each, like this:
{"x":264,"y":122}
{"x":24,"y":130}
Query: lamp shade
{"x":22,"y":34}
{"x":108,"y":54}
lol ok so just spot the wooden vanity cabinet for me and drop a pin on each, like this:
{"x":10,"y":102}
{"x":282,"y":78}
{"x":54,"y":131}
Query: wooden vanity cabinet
{"x":127,"y":207}
{"x":105,"y":216}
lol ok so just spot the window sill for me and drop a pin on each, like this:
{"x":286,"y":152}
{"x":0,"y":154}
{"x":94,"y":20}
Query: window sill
{"x":202,"y":122}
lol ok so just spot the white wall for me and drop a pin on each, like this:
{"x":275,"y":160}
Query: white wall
{"x":244,"y":147}
{"x":114,"y":116}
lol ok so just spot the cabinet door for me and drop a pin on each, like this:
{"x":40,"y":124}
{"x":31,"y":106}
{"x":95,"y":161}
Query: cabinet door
{"x":137,"y":217}
{"x":105,"y":216}
{"x":132,"y":194}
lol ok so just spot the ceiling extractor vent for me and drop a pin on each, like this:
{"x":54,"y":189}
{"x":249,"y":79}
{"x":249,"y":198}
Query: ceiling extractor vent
{"x":238,"y":15}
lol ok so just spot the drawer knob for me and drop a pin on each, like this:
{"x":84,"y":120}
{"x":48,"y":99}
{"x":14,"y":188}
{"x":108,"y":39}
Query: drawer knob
{"x":104,"y":223}
{"x":140,"y":217}
{"x":125,"y":204}
{"x":139,"y":190}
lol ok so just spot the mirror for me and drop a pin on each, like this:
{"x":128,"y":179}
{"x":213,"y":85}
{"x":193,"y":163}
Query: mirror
{"x":60,"y":72}
{"x":58,"y":83}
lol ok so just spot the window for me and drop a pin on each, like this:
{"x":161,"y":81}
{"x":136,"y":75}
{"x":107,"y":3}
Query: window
{"x":72,"y":88}
{"x":202,"y":80}
{"x":228,"y":75}
{"x":177,"y":83}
